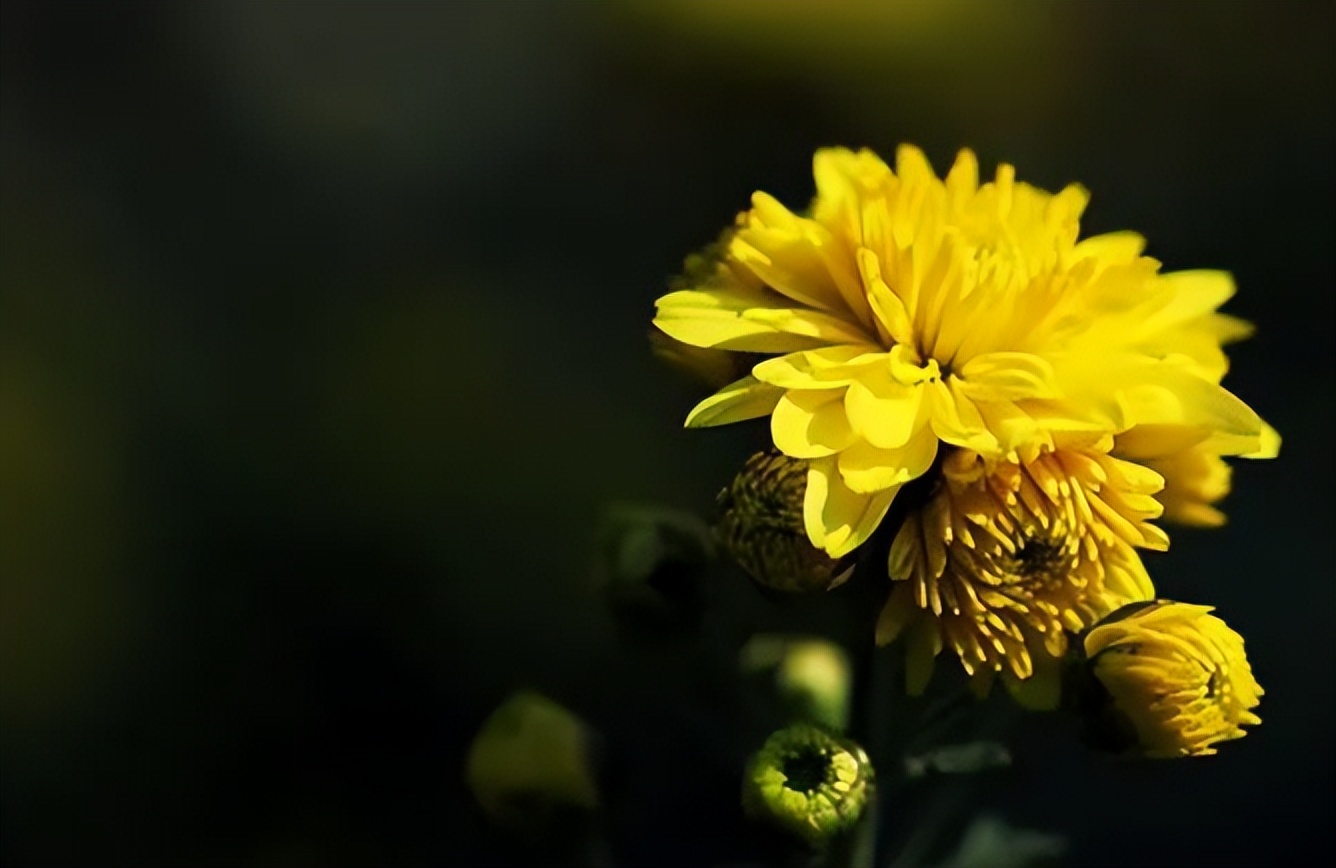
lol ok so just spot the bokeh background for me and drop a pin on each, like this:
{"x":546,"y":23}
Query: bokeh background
{"x":323,"y":344}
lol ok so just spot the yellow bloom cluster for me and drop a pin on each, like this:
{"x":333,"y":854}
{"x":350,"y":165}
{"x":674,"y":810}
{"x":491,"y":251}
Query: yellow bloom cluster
{"x":1030,"y":400}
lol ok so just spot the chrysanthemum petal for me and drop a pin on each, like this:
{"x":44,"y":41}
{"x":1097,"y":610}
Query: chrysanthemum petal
{"x":1268,"y":444}
{"x":1008,"y":376}
{"x":867,"y":468}
{"x":783,"y":251}
{"x":1012,"y":427}
{"x":734,"y":320}
{"x":963,"y":179}
{"x":839,"y":520}
{"x":882,"y":411}
{"x":1158,"y":441}
{"x":956,"y":419}
{"x":826,"y":368}
{"x":842,"y":176}
{"x":1170,"y":394}
{"x":747,"y":398}
{"x":886,"y":305}
{"x":811,"y":424}
{"x":1190,"y":294}
{"x":1113,"y":248}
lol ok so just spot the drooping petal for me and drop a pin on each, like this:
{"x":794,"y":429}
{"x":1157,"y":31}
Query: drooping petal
{"x":839,"y":520}
{"x":759,"y":323}
{"x":747,"y":398}
{"x":1042,"y":691}
{"x":923,"y":644}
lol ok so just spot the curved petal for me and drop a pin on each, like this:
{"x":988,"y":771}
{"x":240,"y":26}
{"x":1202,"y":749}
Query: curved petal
{"x":956,"y":419}
{"x":1111,"y":248}
{"x":1157,"y":441}
{"x":882,"y":411}
{"x":762,"y":323}
{"x":825,"y":368}
{"x":1012,"y":427}
{"x":837,"y":519}
{"x":810,"y":424}
{"x":1166,"y":392}
{"x":866,"y":468}
{"x":1006,"y":376}
{"x":923,"y":643}
{"x":783,"y":251}
{"x":1268,"y":444}
{"x":889,"y":308}
{"x":1189,"y":295}
{"x":745,"y":399}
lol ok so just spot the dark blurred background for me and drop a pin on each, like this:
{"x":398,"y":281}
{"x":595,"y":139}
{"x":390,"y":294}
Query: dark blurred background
{"x":323,"y":343}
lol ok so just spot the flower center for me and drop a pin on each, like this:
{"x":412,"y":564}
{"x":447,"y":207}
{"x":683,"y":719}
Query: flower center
{"x":806,"y":770}
{"x":1038,"y":559}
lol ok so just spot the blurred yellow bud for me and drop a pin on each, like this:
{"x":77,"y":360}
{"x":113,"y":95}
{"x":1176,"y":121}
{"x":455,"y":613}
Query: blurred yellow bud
{"x":812,"y":676}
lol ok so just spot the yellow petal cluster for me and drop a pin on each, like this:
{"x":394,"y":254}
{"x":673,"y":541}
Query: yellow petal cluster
{"x":1177,"y":675}
{"x":903,"y":313}
{"x":1006,"y":557}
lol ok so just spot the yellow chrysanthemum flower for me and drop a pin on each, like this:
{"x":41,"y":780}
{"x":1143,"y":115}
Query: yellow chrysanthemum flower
{"x":908,"y":311}
{"x":1176,"y":676}
{"x":1006,"y":557}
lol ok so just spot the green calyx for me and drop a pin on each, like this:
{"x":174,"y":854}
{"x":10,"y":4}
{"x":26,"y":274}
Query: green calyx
{"x":808,"y":782}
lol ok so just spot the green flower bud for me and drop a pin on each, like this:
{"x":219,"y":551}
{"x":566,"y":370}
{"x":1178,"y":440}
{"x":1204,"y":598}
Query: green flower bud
{"x":761,"y":527}
{"x":531,"y":762}
{"x":808,"y":782}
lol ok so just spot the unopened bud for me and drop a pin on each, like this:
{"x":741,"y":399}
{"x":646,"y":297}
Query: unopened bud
{"x":761,"y":527}
{"x":809,"y":783}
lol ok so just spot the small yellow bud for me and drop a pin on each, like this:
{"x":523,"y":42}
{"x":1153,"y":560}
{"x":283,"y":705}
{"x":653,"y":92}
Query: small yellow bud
{"x":1168,"y":680}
